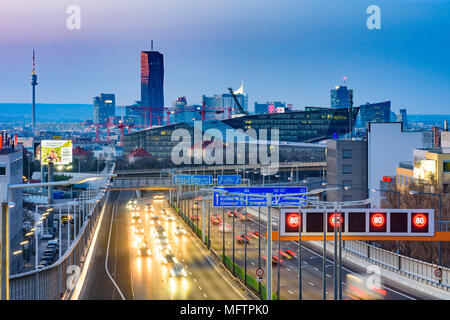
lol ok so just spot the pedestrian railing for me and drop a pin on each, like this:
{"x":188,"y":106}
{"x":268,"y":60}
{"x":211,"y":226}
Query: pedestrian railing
{"x":58,"y":280}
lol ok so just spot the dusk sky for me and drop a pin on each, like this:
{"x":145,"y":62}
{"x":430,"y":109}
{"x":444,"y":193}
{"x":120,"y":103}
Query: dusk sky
{"x":293,"y":51}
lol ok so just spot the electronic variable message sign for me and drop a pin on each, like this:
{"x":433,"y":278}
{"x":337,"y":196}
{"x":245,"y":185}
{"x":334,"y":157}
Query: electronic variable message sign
{"x":358,"y":222}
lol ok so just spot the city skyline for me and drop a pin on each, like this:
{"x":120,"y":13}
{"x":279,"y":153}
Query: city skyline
{"x":283,"y":52}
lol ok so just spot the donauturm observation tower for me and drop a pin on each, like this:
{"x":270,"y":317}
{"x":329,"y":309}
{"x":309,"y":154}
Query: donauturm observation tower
{"x":33,"y":84}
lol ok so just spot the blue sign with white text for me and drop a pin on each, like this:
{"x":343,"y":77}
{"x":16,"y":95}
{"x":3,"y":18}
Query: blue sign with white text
{"x":280,"y":196}
{"x":228,"y":180}
{"x":192,"y":180}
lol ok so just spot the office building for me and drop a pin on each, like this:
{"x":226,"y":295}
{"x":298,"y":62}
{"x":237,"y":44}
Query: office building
{"x":375,"y":112}
{"x":388,"y":144}
{"x":223,"y":106}
{"x":104,"y":107}
{"x":182,"y":112}
{"x":270,"y":107}
{"x":403,"y":118}
{"x":11,"y":172}
{"x":341,"y":97}
{"x":152,"y":80}
{"x":347,"y":169}
{"x":311,"y":125}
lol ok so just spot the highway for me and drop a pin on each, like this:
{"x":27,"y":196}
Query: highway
{"x":118,"y":271}
{"x":312,"y":262}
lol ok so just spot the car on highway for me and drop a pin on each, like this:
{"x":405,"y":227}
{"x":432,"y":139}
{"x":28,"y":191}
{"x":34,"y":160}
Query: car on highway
{"x":136,"y":220}
{"x":170,"y":218}
{"x":243,"y":239}
{"x":178,"y":270}
{"x":143,"y":249}
{"x":227,"y":227}
{"x":167,"y":256}
{"x":163,"y":246}
{"x":275,"y":259}
{"x":179,"y":231}
{"x":357,"y":288}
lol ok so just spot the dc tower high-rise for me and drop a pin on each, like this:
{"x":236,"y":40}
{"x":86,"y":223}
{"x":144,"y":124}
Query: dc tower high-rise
{"x":152,"y":79}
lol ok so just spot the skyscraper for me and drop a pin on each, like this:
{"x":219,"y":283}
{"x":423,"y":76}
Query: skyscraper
{"x":33,"y":84}
{"x":404,"y":118}
{"x":341,"y":97}
{"x":152,"y":79}
{"x":375,"y":112}
{"x":104,"y":107}
{"x":225,"y":102}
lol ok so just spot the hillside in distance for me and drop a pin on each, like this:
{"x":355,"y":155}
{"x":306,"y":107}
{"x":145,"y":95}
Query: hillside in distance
{"x":45,"y":111}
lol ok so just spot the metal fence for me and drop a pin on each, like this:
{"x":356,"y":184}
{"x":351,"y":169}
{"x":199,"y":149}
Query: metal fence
{"x":412,"y":268}
{"x":56,"y":281}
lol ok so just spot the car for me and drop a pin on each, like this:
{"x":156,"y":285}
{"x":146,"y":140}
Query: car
{"x":53,"y":244}
{"x":168,"y":257}
{"x":161,"y":239}
{"x":50,"y":252}
{"x":163,"y":246}
{"x":180,"y":231}
{"x":143,"y":249}
{"x":136,"y":220}
{"x":46,"y":236}
{"x":47,"y":258}
{"x":227,"y":227}
{"x":177,"y":270}
{"x":170,"y":218}
{"x":275,"y":259}
{"x":242,"y":239}
{"x":139,"y":228}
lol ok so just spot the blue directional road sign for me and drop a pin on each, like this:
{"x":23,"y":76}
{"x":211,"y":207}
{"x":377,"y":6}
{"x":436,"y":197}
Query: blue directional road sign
{"x":228,"y":180}
{"x":279,"y":195}
{"x":193,"y":180}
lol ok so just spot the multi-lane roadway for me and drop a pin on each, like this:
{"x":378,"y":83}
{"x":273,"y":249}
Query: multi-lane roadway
{"x":119,"y":271}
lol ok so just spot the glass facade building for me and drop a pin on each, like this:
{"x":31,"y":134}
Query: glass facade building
{"x":299,"y":126}
{"x":152,"y":79}
{"x":104,"y":107}
{"x":375,"y":112}
{"x":341,"y":97}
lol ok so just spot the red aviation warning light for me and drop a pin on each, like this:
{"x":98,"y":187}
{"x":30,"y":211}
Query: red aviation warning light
{"x":292,"y":221}
{"x":377,"y":222}
{"x":419,"y":222}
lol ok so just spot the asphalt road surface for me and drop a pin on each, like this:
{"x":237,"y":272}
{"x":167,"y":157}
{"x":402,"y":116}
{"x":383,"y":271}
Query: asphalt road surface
{"x":117,"y":271}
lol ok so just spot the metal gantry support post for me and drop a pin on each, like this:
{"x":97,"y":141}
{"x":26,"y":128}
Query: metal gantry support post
{"x":233,"y":232}
{"x":203,"y":220}
{"x":36,"y":258}
{"x":223,"y":231}
{"x":209,"y":221}
{"x":269,"y":248}
{"x":259,"y":245}
{"x":279,"y":255}
{"x":300,"y":278}
{"x":341,"y":220}
{"x":335,"y":250}
{"x":59,"y":233}
{"x":324,"y":261}
{"x":4,"y":281}
{"x":245,"y":242}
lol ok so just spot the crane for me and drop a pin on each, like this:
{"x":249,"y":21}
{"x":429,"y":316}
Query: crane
{"x":237,"y":102}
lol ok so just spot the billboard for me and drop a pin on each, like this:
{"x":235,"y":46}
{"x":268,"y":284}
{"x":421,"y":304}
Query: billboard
{"x":424,"y":169}
{"x":56,"y":151}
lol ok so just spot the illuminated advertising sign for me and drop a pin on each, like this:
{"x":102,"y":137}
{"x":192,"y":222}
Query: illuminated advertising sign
{"x":56,"y":151}
{"x":424,"y":169}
